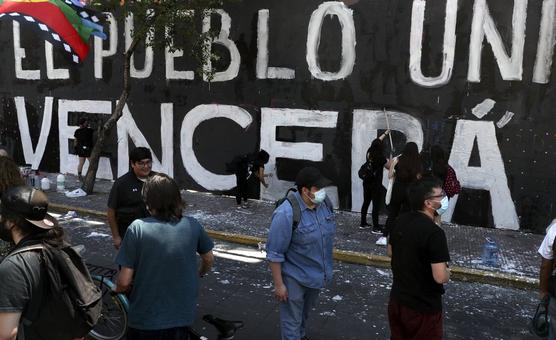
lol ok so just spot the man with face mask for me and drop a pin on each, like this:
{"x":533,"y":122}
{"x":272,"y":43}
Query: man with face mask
{"x":300,"y":257}
{"x":419,"y":253}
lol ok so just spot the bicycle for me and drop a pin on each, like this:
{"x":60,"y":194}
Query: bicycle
{"x":112,"y":324}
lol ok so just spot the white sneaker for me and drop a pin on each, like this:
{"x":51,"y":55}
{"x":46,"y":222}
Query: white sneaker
{"x":382,"y":241}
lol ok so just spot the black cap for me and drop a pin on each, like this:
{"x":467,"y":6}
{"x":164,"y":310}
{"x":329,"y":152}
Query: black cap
{"x":311,"y":177}
{"x":29,"y":203}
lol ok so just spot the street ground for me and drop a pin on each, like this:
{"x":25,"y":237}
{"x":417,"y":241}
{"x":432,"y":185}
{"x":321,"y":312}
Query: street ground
{"x":352,"y":307}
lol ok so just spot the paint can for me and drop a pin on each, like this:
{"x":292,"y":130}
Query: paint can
{"x":60,"y":183}
{"x":45,"y":184}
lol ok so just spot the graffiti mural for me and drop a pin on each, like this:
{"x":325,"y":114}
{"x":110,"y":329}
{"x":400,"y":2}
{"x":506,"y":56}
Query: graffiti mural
{"x":312,"y":82}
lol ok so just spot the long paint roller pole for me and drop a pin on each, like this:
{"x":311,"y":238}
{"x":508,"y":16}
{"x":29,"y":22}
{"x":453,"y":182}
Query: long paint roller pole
{"x":389,"y":133}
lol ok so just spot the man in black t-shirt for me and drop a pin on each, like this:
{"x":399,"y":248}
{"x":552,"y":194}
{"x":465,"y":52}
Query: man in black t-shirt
{"x":83,"y":144}
{"x":125,"y":203}
{"x":419,"y":253}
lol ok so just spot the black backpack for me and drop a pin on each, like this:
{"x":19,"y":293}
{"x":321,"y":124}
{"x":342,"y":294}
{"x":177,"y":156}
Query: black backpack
{"x":73,"y":303}
{"x":296,"y":209}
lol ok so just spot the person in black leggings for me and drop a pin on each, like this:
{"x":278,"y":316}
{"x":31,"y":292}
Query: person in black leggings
{"x":372,"y":183}
{"x":407,"y":169}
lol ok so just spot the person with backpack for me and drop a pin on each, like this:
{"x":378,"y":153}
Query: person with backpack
{"x":42,"y":278}
{"x":547,"y":281}
{"x":158,"y":259}
{"x":299,"y":250}
{"x":371,"y":173}
{"x":244,"y":167}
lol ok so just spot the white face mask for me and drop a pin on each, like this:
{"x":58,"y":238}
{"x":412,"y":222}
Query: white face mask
{"x":443,"y":206}
{"x":320,"y":196}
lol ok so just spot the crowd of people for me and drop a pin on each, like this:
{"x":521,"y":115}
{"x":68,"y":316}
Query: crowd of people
{"x":157,"y":245}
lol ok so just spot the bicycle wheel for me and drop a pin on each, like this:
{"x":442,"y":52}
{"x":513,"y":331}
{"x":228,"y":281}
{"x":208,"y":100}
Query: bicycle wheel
{"x":112,"y":324}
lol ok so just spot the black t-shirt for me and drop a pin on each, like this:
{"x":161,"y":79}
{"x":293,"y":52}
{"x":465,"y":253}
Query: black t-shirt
{"x":22,"y":286}
{"x":125,"y":198}
{"x":84,"y":137}
{"x":417,"y":242}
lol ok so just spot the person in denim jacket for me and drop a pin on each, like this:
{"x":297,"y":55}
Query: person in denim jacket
{"x":301,"y":257}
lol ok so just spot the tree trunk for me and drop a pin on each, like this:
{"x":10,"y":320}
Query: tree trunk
{"x":104,"y":129}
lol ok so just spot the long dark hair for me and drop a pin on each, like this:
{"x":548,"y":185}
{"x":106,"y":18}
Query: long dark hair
{"x":409,"y":166}
{"x":9,"y":174}
{"x":439,"y":163}
{"x":376,"y":150}
{"x":162,"y":197}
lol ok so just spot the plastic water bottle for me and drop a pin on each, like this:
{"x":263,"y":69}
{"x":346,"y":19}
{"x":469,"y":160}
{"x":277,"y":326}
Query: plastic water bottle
{"x":60,"y":183}
{"x":490,"y":253}
{"x":45,"y":184}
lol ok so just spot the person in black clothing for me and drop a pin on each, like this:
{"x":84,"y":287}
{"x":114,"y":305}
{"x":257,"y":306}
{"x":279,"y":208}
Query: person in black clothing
{"x":125,"y":203}
{"x":419,"y":253}
{"x":406,"y":169}
{"x":23,"y":280}
{"x":372,"y":182}
{"x":83,"y":144}
{"x":244,"y":167}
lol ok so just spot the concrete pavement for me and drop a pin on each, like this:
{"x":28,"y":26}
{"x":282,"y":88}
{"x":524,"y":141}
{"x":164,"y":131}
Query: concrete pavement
{"x":519,"y":261}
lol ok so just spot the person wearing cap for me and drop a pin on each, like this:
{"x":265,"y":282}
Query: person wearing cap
{"x":125,"y":203}
{"x":24,"y":221}
{"x":300,"y":258}
{"x":546,"y":250}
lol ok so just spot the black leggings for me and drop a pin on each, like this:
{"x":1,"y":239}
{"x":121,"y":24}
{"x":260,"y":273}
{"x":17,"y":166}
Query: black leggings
{"x":241,"y":188}
{"x":398,"y":204}
{"x":374,"y":194}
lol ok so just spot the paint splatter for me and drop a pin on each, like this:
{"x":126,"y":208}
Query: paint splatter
{"x":482,"y":109}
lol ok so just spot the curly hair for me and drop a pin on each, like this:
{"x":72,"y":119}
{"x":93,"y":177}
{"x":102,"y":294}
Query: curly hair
{"x":9,"y":174}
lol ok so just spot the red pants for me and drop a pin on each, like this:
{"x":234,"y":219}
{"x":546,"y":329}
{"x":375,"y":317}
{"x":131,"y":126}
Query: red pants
{"x":408,"y":324}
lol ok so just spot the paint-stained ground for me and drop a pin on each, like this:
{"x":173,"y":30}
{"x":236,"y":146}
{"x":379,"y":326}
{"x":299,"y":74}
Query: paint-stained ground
{"x":353,"y":306}
{"x":518,"y":250}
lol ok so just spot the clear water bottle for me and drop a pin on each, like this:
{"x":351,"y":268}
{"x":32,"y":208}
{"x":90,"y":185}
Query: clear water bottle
{"x":60,"y":183}
{"x":490,"y":253}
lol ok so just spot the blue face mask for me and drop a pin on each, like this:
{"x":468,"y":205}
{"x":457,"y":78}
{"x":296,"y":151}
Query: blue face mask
{"x":320,"y":196}
{"x":443,"y":206}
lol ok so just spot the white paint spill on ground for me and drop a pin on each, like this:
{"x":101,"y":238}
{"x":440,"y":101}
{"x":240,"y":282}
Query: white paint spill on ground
{"x":224,"y":282}
{"x":482,"y":109}
{"x":505,"y":119}
{"x":337,"y":298}
{"x":383,"y":273}
{"x":96,"y":234}
{"x":328,"y":314}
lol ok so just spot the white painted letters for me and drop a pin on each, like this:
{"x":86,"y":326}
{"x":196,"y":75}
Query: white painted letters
{"x":366,"y":124}
{"x":19,"y":54}
{"x":148,"y":66}
{"x":51,"y":72}
{"x":263,"y":70}
{"x":33,"y":157}
{"x":99,"y":52}
{"x":511,"y":68}
{"x":192,"y":120}
{"x":416,"y":43}
{"x":223,"y":39}
{"x":68,"y":162}
{"x":128,"y":129}
{"x":490,"y":176}
{"x":547,"y":41}
{"x":273,"y":118}
{"x":345,"y":16}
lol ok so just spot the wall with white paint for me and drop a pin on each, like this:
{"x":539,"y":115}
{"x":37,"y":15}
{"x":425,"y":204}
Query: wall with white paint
{"x":307,"y":81}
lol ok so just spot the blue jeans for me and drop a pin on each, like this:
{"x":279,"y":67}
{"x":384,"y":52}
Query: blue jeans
{"x":295,"y":311}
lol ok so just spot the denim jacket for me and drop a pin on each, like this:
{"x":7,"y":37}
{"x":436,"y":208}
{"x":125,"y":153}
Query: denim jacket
{"x":306,"y":252}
